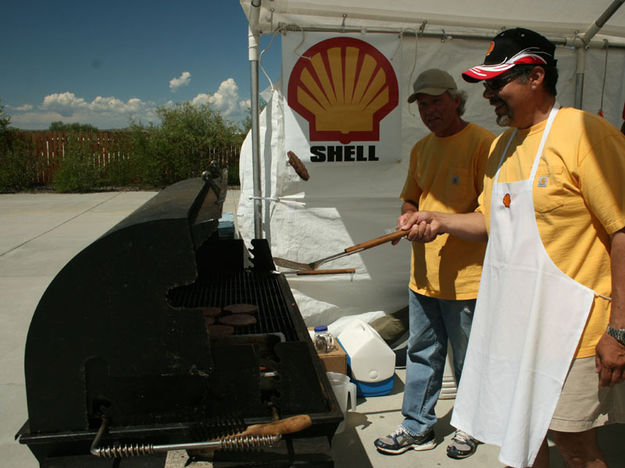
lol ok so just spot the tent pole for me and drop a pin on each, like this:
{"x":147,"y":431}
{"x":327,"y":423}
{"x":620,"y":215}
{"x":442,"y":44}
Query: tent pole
{"x":580,"y":65}
{"x":593,"y":29}
{"x":253,"y":39}
{"x":597,"y":25}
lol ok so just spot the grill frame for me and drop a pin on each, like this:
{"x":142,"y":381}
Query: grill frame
{"x":175,"y":236}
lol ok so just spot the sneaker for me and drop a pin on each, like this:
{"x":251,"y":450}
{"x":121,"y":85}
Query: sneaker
{"x":462,"y":445}
{"x":400,"y":441}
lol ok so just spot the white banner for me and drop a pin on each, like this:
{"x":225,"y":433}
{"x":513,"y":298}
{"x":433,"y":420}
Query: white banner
{"x":342,"y":112}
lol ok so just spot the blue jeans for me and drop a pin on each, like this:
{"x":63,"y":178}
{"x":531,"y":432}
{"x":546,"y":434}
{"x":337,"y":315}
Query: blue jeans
{"x":432,"y":322}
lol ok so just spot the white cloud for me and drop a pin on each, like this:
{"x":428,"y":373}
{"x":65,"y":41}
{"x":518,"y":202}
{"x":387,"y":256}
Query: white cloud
{"x":102,"y":112}
{"x":64,"y":104}
{"x":111,"y":112}
{"x":182,"y":80}
{"x":24,"y":108}
{"x":67,"y":104}
{"x":200,"y":99}
{"x":226,"y":100}
{"x":227,"y":97}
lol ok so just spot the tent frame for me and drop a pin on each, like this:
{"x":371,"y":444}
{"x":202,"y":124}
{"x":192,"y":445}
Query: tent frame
{"x":581,"y":43}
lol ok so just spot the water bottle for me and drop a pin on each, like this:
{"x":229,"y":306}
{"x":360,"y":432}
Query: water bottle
{"x":324,"y":341}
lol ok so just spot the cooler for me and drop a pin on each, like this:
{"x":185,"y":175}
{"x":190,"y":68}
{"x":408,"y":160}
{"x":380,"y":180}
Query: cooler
{"x":370,"y":361}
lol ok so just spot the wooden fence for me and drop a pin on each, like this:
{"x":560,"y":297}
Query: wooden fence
{"x":48,"y":148}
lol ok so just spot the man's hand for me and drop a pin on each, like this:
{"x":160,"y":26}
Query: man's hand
{"x":424,"y":226}
{"x":610,"y":361}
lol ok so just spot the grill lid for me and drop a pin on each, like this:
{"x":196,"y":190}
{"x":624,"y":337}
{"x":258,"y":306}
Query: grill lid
{"x":105,"y":311}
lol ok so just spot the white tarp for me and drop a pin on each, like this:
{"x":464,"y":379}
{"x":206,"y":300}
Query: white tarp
{"x":555,"y":18}
{"x":337,"y":208}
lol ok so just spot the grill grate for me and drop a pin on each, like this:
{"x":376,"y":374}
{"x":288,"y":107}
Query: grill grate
{"x":241,"y":287}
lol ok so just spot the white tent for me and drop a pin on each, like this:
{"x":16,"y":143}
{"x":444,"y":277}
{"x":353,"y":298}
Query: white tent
{"x":305,"y":221}
{"x":562,"y":19}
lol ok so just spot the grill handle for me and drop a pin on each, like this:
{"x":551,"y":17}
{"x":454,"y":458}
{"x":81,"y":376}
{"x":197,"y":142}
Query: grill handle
{"x":233,"y":443}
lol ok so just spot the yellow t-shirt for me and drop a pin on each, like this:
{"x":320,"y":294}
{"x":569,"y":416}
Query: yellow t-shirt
{"x":579,"y":199}
{"x":446,"y":174}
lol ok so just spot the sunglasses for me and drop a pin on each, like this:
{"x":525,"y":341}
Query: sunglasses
{"x":495,"y":84}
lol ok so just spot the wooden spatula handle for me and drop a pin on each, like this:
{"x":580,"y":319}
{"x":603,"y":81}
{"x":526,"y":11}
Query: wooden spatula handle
{"x":377,"y":241}
{"x":282,"y":426}
{"x":326,"y":272}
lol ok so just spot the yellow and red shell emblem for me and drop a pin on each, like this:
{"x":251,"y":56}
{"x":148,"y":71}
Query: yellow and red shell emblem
{"x":506,"y":200}
{"x":343,"y":87}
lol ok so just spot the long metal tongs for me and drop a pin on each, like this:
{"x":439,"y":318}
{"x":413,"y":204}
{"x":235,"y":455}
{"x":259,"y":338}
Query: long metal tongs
{"x":348,"y":251}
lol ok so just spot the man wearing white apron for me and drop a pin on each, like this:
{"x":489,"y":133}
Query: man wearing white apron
{"x":547,"y":347}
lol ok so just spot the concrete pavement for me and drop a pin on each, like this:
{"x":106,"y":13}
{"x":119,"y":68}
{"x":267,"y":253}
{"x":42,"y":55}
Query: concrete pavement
{"x":39,"y":233}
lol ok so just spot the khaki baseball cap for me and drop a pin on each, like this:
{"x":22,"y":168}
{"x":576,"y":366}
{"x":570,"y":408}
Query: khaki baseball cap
{"x":433,"y":82}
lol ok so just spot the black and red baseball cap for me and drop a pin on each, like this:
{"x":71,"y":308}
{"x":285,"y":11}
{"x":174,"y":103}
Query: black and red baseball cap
{"x":509,"y":48}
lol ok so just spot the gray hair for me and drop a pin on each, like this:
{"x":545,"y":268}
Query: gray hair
{"x":550,"y":80}
{"x":462,"y":96}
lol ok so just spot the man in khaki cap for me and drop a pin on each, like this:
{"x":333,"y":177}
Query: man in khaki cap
{"x":445,"y":174}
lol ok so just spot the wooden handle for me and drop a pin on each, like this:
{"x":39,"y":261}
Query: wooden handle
{"x":281,"y":426}
{"x":326,"y":272}
{"x":377,"y":241}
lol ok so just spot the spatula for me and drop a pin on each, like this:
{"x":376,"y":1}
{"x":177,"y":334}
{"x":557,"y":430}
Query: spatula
{"x":348,"y":251}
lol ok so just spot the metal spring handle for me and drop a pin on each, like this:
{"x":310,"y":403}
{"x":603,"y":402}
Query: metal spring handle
{"x":233,"y":443}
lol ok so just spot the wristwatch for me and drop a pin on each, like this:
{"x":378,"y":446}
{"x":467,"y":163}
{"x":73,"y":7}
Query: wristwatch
{"x":617,"y":333}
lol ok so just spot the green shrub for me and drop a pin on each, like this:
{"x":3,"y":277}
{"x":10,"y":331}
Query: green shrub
{"x":122,"y":172}
{"x":77,"y":171}
{"x":18,"y":164}
{"x":179,"y":147}
{"x":17,"y":161}
{"x":122,"y":167}
{"x":146,"y":160}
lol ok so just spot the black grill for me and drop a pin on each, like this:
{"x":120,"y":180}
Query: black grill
{"x":118,"y":346}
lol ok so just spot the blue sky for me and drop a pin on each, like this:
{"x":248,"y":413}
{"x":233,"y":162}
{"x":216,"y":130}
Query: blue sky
{"x":105,"y":62}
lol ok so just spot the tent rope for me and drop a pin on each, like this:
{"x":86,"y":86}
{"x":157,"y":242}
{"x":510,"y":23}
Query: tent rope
{"x":300,"y":43}
{"x":260,"y":61}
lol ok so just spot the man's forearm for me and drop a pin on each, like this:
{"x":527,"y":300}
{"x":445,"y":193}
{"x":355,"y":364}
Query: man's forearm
{"x":610,"y":353}
{"x":426,"y":225}
{"x":467,"y":226}
{"x":617,"y":260}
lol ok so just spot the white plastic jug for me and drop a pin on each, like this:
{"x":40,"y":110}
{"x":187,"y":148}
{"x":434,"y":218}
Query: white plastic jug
{"x":345,"y":391}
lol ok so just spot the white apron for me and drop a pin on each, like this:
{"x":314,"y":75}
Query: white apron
{"x":528,"y":321}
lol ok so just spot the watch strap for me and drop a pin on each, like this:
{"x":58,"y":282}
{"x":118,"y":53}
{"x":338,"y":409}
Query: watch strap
{"x":617,"y":333}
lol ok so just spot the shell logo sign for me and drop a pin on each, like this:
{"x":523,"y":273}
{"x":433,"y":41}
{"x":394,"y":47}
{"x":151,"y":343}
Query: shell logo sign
{"x":343,"y":87}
